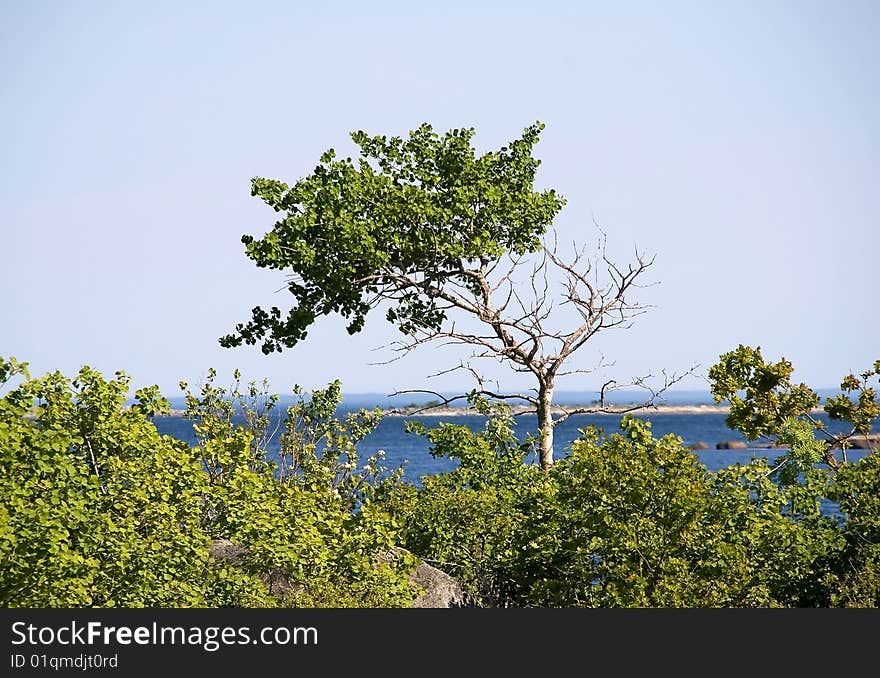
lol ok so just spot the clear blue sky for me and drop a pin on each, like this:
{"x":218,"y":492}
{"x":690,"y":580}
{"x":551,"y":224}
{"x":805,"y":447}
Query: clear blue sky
{"x":738,"y":141}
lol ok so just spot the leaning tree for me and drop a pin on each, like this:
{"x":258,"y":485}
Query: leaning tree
{"x":456,"y":247}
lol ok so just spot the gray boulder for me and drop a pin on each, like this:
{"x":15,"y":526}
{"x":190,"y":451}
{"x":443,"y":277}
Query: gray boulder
{"x":731,"y":445}
{"x":440,"y":589}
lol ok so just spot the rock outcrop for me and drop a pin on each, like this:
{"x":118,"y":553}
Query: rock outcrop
{"x":440,"y":589}
{"x":731,"y":445}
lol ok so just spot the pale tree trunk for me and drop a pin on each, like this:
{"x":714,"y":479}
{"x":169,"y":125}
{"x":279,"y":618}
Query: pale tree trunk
{"x":545,"y":425}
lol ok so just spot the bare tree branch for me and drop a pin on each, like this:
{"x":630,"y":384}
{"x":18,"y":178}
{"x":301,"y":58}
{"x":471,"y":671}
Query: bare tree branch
{"x":446,"y":401}
{"x":510,"y":300}
{"x":649,"y":403}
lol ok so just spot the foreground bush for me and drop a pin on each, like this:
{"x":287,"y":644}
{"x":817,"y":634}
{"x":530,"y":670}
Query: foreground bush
{"x":629,"y":520}
{"x":99,"y":510}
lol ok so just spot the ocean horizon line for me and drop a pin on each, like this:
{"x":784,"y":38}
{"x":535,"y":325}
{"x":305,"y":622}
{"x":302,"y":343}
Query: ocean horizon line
{"x":566,"y":398}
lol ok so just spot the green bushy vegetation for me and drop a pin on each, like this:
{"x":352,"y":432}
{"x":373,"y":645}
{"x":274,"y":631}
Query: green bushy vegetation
{"x":630,"y":520}
{"x":100,"y":510}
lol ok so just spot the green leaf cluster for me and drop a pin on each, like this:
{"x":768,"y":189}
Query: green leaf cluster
{"x":761,"y":394}
{"x":98,"y":509}
{"x":857,"y":403}
{"x":765,"y":403}
{"x":411,"y":208}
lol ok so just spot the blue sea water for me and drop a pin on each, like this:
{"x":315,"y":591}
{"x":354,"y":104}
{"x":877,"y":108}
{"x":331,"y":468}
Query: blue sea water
{"x":412,"y":451}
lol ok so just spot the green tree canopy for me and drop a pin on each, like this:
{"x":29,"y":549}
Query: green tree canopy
{"x":399,"y":223}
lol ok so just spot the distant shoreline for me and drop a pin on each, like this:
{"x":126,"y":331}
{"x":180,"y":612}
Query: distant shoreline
{"x":462,"y":411}
{"x":421,"y":410}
